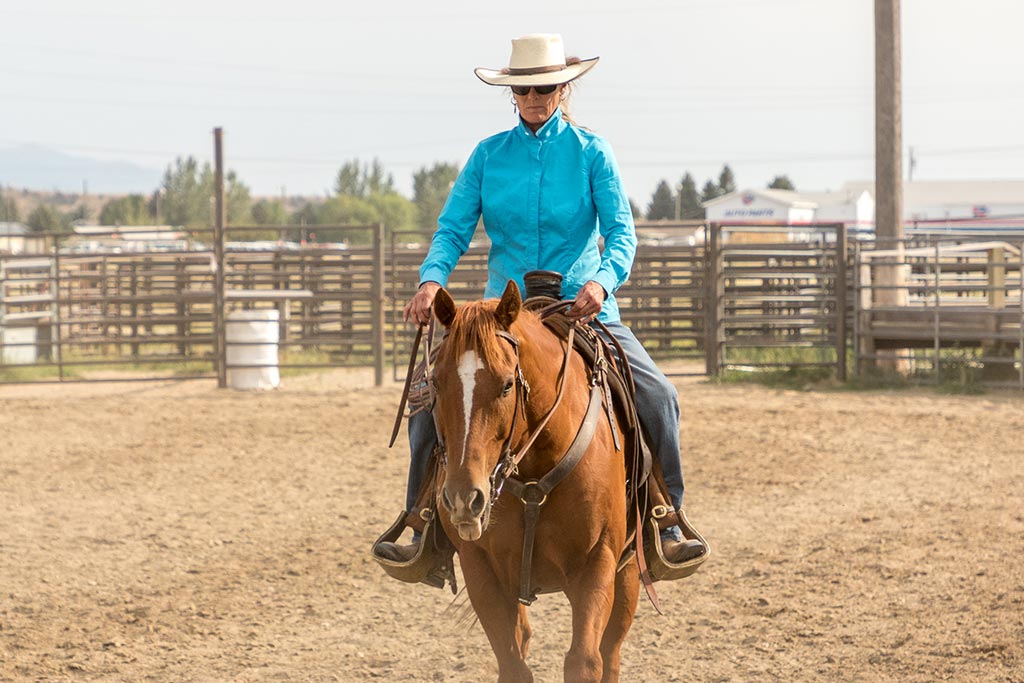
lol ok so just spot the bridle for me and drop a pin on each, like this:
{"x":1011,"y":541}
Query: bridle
{"x":508,"y":463}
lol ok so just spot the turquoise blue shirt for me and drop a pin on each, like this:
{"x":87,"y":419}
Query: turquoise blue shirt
{"x":545,"y":199}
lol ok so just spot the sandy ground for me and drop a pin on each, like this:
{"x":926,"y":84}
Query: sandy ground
{"x":174,"y":532}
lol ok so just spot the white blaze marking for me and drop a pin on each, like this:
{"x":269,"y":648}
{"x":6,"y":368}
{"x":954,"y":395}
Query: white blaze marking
{"x":468,"y":365}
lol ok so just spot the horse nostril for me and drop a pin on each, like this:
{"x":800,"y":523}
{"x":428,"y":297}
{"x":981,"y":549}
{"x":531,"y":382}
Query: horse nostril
{"x":446,"y":501}
{"x":476,"y":505}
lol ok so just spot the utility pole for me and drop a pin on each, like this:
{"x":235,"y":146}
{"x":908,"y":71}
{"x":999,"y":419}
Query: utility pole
{"x":888,"y":125}
{"x":220,"y":219}
{"x":889,"y":285}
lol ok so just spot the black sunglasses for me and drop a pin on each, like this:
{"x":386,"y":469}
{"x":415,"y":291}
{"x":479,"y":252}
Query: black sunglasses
{"x":524,"y":90}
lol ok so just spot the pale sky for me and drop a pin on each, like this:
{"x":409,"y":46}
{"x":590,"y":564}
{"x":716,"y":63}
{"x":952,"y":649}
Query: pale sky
{"x":769,"y":86}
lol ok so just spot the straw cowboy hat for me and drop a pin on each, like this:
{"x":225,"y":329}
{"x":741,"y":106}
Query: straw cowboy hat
{"x":537,"y":59}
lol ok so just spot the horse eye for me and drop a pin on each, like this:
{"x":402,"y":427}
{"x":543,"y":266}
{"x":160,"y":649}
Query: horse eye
{"x":507,"y":388}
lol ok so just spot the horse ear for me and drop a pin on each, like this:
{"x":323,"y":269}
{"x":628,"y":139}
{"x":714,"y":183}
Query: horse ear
{"x":508,"y":307}
{"x":444,"y":307}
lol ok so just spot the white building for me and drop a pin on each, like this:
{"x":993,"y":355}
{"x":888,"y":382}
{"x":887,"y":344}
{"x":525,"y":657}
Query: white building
{"x":960,"y":205}
{"x":856,"y":208}
{"x":928,"y":206}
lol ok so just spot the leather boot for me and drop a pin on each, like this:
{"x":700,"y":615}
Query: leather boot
{"x":678,"y":552}
{"x":396,"y":552}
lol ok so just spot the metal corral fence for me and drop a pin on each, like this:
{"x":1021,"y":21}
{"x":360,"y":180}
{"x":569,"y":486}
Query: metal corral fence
{"x":755,"y":296}
{"x":946,"y":309}
{"x":92,"y":309}
{"x":734,"y":298}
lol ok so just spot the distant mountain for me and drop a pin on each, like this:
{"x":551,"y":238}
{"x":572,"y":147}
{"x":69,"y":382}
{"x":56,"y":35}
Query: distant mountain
{"x":40,"y":168}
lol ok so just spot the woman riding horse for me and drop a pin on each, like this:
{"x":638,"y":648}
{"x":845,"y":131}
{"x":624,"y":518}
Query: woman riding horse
{"x":547,"y":190}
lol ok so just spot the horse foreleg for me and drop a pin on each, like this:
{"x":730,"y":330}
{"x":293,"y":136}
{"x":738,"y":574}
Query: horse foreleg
{"x":502,"y":617}
{"x":592,"y":599}
{"x":627,"y":590}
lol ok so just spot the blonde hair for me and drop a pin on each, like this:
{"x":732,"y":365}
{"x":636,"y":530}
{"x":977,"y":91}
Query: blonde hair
{"x":567,"y":90}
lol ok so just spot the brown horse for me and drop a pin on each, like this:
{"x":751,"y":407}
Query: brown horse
{"x":496,"y":380}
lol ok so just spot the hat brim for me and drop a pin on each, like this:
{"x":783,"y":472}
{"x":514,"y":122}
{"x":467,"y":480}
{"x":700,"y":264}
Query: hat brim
{"x":569,"y":73}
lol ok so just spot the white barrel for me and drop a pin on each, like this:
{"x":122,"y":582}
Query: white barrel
{"x":251,"y":338}
{"x":19,"y":345}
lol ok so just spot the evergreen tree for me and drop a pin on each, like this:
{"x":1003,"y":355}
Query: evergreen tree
{"x":689,"y":198}
{"x":46,"y":218}
{"x":781,"y":182}
{"x":726,"y":181}
{"x":663,"y":203}
{"x":710,"y":191}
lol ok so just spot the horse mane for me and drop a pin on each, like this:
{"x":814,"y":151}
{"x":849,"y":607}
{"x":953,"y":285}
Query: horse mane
{"x":475,"y":328}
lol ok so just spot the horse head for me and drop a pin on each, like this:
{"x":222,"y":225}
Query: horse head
{"x":475,"y":383}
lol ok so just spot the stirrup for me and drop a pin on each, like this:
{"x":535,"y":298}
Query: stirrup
{"x":432,"y":564}
{"x":660,"y":568}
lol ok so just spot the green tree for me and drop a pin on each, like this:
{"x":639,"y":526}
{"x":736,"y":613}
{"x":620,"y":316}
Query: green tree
{"x":306,"y":215}
{"x":396,"y":212}
{"x":188,"y":195}
{"x":361,"y":181}
{"x":689,"y":198}
{"x":269,"y":212}
{"x":781,"y":182}
{"x":79,"y":213}
{"x":237,"y":199}
{"x":663,"y":203}
{"x":430,"y":188}
{"x":344,"y":209}
{"x":726,"y":181}
{"x":8,"y":208}
{"x":710,"y":191}
{"x":46,"y":218}
{"x":187,"y":200}
{"x":130,"y":210}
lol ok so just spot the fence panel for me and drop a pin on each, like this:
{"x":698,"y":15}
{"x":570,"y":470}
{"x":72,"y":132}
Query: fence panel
{"x":781,"y":295}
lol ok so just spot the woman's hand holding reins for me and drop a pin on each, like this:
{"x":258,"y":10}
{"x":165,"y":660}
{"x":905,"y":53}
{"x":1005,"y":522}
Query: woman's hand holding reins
{"x":588,"y":302}
{"x":420,"y":306}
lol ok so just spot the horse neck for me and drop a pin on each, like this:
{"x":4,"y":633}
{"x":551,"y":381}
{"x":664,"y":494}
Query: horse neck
{"x":541,"y":354}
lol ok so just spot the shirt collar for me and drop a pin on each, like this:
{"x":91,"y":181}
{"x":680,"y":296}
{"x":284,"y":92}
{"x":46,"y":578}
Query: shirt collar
{"x":550,"y":129}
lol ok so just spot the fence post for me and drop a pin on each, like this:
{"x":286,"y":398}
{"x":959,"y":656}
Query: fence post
{"x":377,"y":304}
{"x":841,"y":292}
{"x":218,"y":255}
{"x":711,"y":277}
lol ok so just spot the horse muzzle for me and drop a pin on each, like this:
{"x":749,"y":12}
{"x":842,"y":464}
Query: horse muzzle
{"x":468,"y":510}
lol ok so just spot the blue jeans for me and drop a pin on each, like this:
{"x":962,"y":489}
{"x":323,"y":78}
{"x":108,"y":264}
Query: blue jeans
{"x":657,"y":405}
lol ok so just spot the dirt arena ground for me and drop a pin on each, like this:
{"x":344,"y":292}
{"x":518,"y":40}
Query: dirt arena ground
{"x":174,"y":532}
